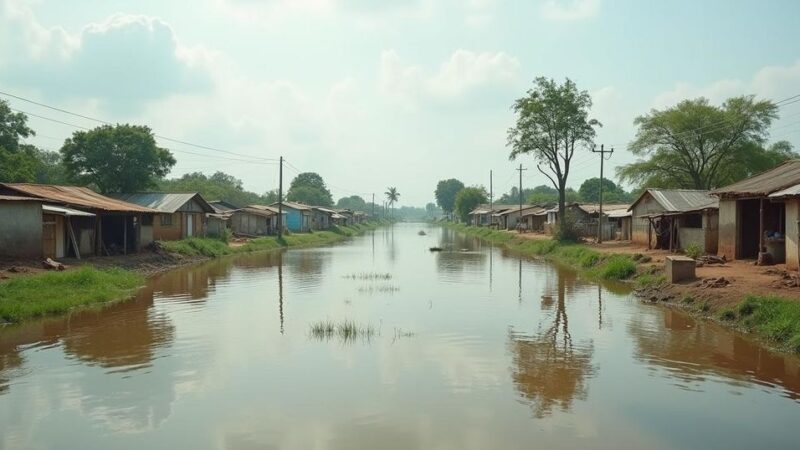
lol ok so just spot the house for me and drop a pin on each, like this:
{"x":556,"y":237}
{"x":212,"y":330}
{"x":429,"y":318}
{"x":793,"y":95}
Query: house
{"x":586,"y":217}
{"x":111,"y":226}
{"x":216,"y":225}
{"x":223,"y":207}
{"x":758,"y":217}
{"x":31,"y":228}
{"x":534,"y":218}
{"x":347,"y":216}
{"x":338,"y":219}
{"x":620,"y":224}
{"x":675,"y":218}
{"x":180,"y":215}
{"x":498,"y":216}
{"x":254,"y":220}
{"x":321,"y":218}
{"x":509,"y":216}
{"x":480,"y":216}
{"x":298,"y":216}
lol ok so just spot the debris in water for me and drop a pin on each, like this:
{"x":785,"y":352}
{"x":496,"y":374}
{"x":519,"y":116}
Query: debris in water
{"x":422,"y":233}
{"x":436,"y":249}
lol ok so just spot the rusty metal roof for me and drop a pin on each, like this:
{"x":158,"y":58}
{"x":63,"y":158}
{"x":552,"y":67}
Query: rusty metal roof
{"x":293,"y":205}
{"x":164,"y":202}
{"x":765,"y":183}
{"x":76,"y":196}
{"x":271,"y":209}
{"x":680,"y":200}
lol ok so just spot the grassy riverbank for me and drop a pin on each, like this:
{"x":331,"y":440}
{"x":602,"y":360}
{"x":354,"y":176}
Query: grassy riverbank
{"x":595,"y":264}
{"x":58,"y":292}
{"x":214,"y":248}
{"x":51,"y":293}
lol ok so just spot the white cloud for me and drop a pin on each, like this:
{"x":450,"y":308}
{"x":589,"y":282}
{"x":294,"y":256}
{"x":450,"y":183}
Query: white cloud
{"x":771,"y":82}
{"x":463,"y":74}
{"x":569,"y":10}
{"x":122,"y":62}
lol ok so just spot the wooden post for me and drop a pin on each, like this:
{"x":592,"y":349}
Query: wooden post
{"x":671,"y":234}
{"x":761,"y":244}
{"x":124,"y":235}
{"x":649,"y":232}
{"x":72,"y":237}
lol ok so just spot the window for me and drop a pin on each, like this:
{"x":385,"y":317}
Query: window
{"x":147,"y":220}
{"x":693,"y":221}
{"x":166,"y":220}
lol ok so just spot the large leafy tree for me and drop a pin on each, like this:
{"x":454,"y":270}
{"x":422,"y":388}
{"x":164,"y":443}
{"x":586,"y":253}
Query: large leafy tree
{"x":309,"y":188}
{"x":18,"y":161}
{"x":445,"y":193}
{"x":467,"y":199}
{"x":590,"y":191}
{"x":353,"y":202}
{"x":701,"y":146}
{"x":552,"y":121}
{"x":219,"y":186}
{"x":118,"y":158}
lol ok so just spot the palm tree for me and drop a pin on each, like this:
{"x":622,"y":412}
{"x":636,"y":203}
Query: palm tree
{"x":392,"y":195}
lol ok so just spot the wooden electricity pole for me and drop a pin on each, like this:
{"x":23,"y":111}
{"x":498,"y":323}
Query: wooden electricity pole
{"x":602,"y":152}
{"x":519,"y":218}
{"x":280,"y":198}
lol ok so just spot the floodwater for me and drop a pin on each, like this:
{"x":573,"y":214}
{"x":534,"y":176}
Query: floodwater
{"x":472,"y":349}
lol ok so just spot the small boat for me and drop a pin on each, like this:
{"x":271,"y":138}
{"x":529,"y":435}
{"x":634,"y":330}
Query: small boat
{"x":436,"y":249}
{"x":422,"y":233}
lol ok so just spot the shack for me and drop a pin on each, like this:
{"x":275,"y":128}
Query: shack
{"x":180,"y":215}
{"x":675,"y":219}
{"x":758,"y":217}
{"x":111,"y":227}
{"x":223,"y":207}
{"x":535,"y":219}
{"x":254,"y":220}
{"x":321,"y":218}
{"x":298,"y":216}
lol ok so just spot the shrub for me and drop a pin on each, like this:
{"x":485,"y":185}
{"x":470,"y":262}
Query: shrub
{"x":727,"y":314}
{"x":567,"y":230}
{"x":617,"y":267}
{"x":693,"y":251}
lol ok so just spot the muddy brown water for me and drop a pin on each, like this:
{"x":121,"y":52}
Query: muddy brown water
{"x":473,"y":349}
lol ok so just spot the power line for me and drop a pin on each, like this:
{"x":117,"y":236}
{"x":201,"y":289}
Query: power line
{"x":82,"y":116}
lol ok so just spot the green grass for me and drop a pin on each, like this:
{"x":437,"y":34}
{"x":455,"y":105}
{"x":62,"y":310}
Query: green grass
{"x":58,"y":292}
{"x":772,"y":318}
{"x":213,"y":248}
{"x":593,"y":263}
{"x":346,"y":331}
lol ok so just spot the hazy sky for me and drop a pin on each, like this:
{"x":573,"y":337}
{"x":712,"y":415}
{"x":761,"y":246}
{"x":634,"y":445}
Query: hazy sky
{"x":377,"y":93}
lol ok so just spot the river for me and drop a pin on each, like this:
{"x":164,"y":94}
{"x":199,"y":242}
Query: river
{"x":468,"y":348}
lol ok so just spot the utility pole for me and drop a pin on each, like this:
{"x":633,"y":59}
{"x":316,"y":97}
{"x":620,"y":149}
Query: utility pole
{"x":280,"y":198}
{"x":600,"y":215}
{"x":520,"y":194}
{"x":373,"y":206}
{"x":491,"y":193}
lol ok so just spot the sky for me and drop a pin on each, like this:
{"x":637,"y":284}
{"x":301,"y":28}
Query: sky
{"x":379,"y":93}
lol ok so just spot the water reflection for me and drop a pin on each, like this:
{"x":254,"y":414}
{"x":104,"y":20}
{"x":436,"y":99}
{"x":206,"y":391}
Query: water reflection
{"x":550,"y":370}
{"x":691,"y":351}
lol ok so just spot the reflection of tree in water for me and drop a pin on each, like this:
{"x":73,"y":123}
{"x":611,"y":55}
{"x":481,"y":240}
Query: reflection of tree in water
{"x":10,"y":361}
{"x":549,"y":370}
{"x":692,"y":350}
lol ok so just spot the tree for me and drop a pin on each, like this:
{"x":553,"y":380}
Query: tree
{"x":353,"y":202}
{"x":392,"y":196}
{"x":309,"y":188}
{"x":17,"y":160}
{"x":445,"y":193}
{"x":468,"y":199}
{"x":590,"y":191}
{"x":552,"y":120}
{"x":219,"y":186}
{"x":430,"y":209}
{"x":693,"y":144}
{"x":118,"y":158}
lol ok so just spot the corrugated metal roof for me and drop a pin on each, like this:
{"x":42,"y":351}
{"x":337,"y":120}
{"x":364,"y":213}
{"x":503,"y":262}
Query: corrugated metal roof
{"x":76,"y":196}
{"x":788,"y":192}
{"x":221,"y":206}
{"x":765,"y":183}
{"x":17,"y":198}
{"x":619,"y":213}
{"x":680,"y":200}
{"x":270,"y":209}
{"x":593,"y":208}
{"x":293,"y":205}
{"x":165,"y":202}
{"x":64,"y":211}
